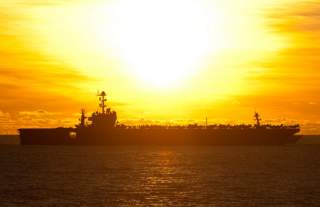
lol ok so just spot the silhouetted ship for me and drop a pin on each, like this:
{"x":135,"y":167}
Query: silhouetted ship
{"x":103,"y":129}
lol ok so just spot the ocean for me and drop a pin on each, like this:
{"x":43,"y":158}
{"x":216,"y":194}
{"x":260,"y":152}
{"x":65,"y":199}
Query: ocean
{"x":160,"y":176}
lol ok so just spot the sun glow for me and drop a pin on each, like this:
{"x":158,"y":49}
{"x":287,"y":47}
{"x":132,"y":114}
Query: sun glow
{"x":160,"y":42}
{"x":159,"y":60}
{"x":153,"y":47}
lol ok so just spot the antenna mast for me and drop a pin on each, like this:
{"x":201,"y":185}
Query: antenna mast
{"x":102,"y":100}
{"x":206,"y":121}
{"x":257,"y":118}
{"x":83,"y":118}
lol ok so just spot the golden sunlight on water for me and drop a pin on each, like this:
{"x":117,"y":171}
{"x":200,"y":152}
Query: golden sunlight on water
{"x":159,"y":176}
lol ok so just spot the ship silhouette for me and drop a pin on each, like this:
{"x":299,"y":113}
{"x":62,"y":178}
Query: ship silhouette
{"x":102,"y":128}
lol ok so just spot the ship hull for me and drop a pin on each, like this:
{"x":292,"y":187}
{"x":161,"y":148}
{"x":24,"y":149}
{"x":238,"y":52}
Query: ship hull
{"x":46,"y":136}
{"x":162,"y":136}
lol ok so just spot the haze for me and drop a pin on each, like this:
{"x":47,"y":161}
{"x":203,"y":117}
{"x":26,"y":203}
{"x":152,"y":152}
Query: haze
{"x":175,"y":61}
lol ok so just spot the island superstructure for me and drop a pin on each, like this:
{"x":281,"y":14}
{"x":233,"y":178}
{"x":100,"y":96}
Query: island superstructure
{"x":102,"y":128}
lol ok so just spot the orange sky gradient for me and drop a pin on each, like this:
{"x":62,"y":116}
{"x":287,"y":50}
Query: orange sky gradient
{"x":160,"y":61}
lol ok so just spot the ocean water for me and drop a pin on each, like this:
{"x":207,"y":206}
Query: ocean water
{"x":160,"y":176}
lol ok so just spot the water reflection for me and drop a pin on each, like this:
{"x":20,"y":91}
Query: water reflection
{"x":159,"y":176}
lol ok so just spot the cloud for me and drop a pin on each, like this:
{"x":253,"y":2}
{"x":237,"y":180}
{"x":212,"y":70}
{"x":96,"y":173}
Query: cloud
{"x":294,"y":70}
{"x":37,"y":113}
{"x":37,"y":90}
{"x":10,"y":122}
{"x":302,"y":18}
{"x":7,"y":124}
{"x":48,"y":2}
{"x":28,"y":79}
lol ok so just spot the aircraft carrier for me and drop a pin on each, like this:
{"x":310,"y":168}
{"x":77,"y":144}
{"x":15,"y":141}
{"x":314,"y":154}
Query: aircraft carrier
{"x":102,"y":128}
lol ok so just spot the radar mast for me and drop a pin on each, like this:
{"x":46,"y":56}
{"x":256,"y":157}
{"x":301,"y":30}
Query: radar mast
{"x":102,"y":100}
{"x":83,"y":118}
{"x":257,"y":118}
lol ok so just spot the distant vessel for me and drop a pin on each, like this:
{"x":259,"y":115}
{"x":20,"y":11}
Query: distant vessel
{"x":103,"y":129}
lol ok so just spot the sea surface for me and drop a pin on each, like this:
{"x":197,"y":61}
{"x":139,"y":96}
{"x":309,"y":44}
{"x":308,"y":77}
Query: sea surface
{"x":160,"y":176}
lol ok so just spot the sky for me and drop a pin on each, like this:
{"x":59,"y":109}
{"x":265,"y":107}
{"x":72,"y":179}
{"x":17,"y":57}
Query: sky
{"x":164,"y":62}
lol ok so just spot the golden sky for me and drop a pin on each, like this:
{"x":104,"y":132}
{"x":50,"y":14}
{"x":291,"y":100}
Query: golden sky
{"x":172,"y":61}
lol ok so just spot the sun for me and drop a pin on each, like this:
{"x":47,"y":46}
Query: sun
{"x":148,"y":43}
{"x":160,"y":42}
